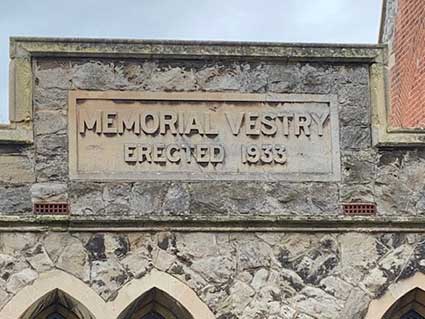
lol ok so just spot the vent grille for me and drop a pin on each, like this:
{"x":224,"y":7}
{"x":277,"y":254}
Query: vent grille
{"x":51,"y":208}
{"x":359,"y":208}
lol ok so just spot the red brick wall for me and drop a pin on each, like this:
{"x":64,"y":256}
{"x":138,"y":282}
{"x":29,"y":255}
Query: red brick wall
{"x":407,"y":90}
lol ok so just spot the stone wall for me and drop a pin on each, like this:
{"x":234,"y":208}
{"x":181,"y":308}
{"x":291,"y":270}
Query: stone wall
{"x":238,"y":275}
{"x":391,"y":179}
{"x":211,"y":235}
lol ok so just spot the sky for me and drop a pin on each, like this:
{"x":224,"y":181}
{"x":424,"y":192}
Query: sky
{"x":329,"y":21}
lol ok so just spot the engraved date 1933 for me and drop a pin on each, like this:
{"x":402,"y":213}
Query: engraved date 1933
{"x":263,"y":154}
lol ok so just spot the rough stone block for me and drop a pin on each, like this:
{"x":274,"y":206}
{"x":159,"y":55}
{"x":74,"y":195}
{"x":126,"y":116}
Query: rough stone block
{"x":16,"y":169}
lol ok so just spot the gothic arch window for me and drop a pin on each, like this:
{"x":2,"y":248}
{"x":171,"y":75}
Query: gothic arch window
{"x":404,"y":299}
{"x":56,"y":305}
{"x":409,"y":306}
{"x":412,"y":314}
{"x":153,"y":315}
{"x":155,"y":304}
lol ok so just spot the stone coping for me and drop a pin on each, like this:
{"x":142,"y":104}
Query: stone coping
{"x":124,"y":48}
{"x":371,"y":224}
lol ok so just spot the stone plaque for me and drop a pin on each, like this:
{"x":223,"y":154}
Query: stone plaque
{"x":203,"y":136}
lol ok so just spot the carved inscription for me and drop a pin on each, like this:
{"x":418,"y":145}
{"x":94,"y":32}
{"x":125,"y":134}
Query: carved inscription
{"x":123,"y":135}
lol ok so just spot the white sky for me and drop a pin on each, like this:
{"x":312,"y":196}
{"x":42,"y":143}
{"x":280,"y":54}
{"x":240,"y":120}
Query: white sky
{"x":333,"y":21}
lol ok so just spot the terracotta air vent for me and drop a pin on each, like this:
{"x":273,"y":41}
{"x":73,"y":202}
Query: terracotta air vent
{"x":361,"y":209}
{"x":51,"y":208}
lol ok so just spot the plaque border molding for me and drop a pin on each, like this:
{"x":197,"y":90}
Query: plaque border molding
{"x":75,"y":95}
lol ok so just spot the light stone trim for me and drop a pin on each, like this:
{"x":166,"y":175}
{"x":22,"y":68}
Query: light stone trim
{"x":47,"y":282}
{"x":166,"y":283}
{"x":20,"y":130}
{"x":100,"y":309}
{"x":379,"y":307}
{"x":382,"y":133}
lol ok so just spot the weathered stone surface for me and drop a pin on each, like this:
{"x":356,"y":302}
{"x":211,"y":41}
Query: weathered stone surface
{"x":55,"y":77}
{"x":273,"y":275}
{"x":107,"y":276}
{"x":249,"y":275}
{"x":316,"y":302}
{"x":163,"y":260}
{"x":355,"y":262}
{"x":253,"y":254}
{"x":4,"y":295}
{"x":50,"y":122}
{"x":74,"y":259}
{"x":52,"y":192}
{"x":49,"y":99}
{"x":375,"y":280}
{"x":20,"y":280}
{"x":356,"y":305}
{"x":52,"y":145}
{"x":16,"y":169}
{"x":15,"y":199}
{"x":116,"y":199}
{"x":337,"y":287}
{"x":54,"y":243}
{"x":390,"y":178}
{"x":399,"y":182}
{"x":390,"y":21}
{"x":215,"y":269}
{"x":146,"y":198}
{"x":137,"y":263}
{"x":177,"y":199}
{"x":51,"y":168}
{"x":38,"y":259}
{"x":15,"y":243}
{"x":394,"y":262}
{"x":10,"y":265}
{"x":98,"y":76}
{"x":240,"y":295}
{"x":86,"y":199}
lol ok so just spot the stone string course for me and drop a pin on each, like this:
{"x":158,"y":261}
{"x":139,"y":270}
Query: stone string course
{"x":254,"y":275}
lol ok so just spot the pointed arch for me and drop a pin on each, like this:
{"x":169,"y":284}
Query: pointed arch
{"x":155,"y":303}
{"x":58,"y":303}
{"x":29,"y":300}
{"x":172,"y":297}
{"x":398,"y":298}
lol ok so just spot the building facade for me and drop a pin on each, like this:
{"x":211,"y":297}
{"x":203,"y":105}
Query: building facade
{"x":208,"y":180}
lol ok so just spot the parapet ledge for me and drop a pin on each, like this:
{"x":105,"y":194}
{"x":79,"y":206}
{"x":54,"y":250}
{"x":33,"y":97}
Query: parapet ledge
{"x":24,"y":47}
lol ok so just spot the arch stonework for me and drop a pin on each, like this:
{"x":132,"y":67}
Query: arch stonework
{"x":166,"y":283}
{"x":48,"y":282}
{"x":88,"y":298}
{"x":380,"y":306}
